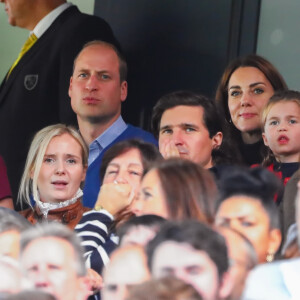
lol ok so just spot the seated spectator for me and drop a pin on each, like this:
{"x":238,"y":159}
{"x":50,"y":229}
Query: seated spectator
{"x":11,"y":276}
{"x":188,"y":125}
{"x":97,"y":102}
{"x":54,"y":171}
{"x":127,"y":267}
{"x":5,"y":192}
{"x":246,"y":205}
{"x":278,"y":280}
{"x":245,"y":87}
{"x":194,"y":253}
{"x":168,"y":288}
{"x":139,"y":230}
{"x":242,"y":257}
{"x":11,"y":226}
{"x":52,"y":259}
{"x":121,"y":172}
{"x":287,"y":206}
{"x":281,"y":134}
{"x":177,"y":189}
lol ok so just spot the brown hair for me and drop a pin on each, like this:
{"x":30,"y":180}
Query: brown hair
{"x":251,"y":60}
{"x":164,"y":289}
{"x":190,"y":190}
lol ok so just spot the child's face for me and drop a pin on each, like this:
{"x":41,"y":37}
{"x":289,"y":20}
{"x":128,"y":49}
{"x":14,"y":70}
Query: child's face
{"x":282,"y":131}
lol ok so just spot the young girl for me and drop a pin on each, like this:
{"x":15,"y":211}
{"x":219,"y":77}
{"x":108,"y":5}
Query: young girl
{"x":281,"y":133}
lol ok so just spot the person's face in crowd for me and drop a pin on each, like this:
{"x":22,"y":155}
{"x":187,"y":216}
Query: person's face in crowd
{"x":139,"y":235}
{"x":95,"y":88}
{"x":10,"y":243}
{"x":240,"y":264}
{"x":19,"y":12}
{"x":125,"y":168}
{"x":151,"y":199}
{"x":282,"y":131}
{"x":127,"y":267}
{"x":247,"y":215}
{"x":182,"y":130}
{"x":11,"y":277}
{"x":188,"y":264}
{"x":248,"y":92}
{"x":62,"y":170}
{"x":50,"y":264}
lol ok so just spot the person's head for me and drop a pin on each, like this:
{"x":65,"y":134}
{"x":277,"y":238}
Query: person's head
{"x":127,"y":267}
{"x":245,"y":87}
{"x":190,"y":122}
{"x":164,"y":289}
{"x":98,"y":85}
{"x":52,"y":259}
{"x":242,"y":258}
{"x":194,"y":253}
{"x":177,"y":189}
{"x":11,"y":276}
{"x":56,"y":165}
{"x":247,"y":205}
{"x":281,"y":126}
{"x":11,"y":226}
{"x":26,"y":14}
{"x":139,"y":230}
{"x":127,"y":161}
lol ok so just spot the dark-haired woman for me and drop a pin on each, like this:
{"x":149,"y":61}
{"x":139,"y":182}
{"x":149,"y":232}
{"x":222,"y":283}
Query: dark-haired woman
{"x":246,"y":85}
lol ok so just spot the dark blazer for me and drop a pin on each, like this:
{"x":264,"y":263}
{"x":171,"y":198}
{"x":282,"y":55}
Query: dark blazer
{"x":36,"y":92}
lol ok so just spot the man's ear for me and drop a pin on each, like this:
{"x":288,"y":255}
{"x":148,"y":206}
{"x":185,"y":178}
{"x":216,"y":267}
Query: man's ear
{"x":265,"y":139}
{"x":70,"y":87}
{"x":226,"y":285}
{"x":217,"y":140}
{"x":124,"y":90}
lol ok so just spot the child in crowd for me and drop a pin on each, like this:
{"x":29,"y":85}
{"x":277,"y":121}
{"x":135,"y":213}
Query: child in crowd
{"x":281,"y":133}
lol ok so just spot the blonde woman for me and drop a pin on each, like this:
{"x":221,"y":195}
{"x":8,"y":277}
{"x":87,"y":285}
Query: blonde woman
{"x":54,"y":172}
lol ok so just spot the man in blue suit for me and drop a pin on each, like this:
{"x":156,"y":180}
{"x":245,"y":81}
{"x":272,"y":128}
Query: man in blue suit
{"x":98,"y":87}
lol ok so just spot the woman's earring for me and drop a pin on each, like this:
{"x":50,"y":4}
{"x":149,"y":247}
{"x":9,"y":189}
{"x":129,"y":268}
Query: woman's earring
{"x":270,"y":257}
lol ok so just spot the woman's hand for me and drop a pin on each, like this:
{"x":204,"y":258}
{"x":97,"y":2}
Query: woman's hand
{"x":114,"y":197}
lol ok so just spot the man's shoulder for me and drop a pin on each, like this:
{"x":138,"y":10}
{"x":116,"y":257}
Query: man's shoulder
{"x":136,"y":132}
{"x":267,"y":281}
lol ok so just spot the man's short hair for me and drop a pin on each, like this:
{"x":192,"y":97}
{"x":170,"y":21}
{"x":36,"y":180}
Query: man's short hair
{"x":151,"y":221}
{"x":199,"y":236}
{"x":122,"y":61}
{"x":12,"y":220}
{"x":56,"y":230}
{"x":211,"y":118}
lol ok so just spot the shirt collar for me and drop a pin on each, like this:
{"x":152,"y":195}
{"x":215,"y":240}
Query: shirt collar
{"x":111,"y":133}
{"x":45,"y":23}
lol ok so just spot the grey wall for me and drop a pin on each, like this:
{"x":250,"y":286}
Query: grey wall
{"x":279,"y":37}
{"x":13,"y":38}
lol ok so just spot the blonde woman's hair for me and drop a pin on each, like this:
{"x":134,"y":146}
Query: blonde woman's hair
{"x":40,"y":142}
{"x":280,"y":96}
